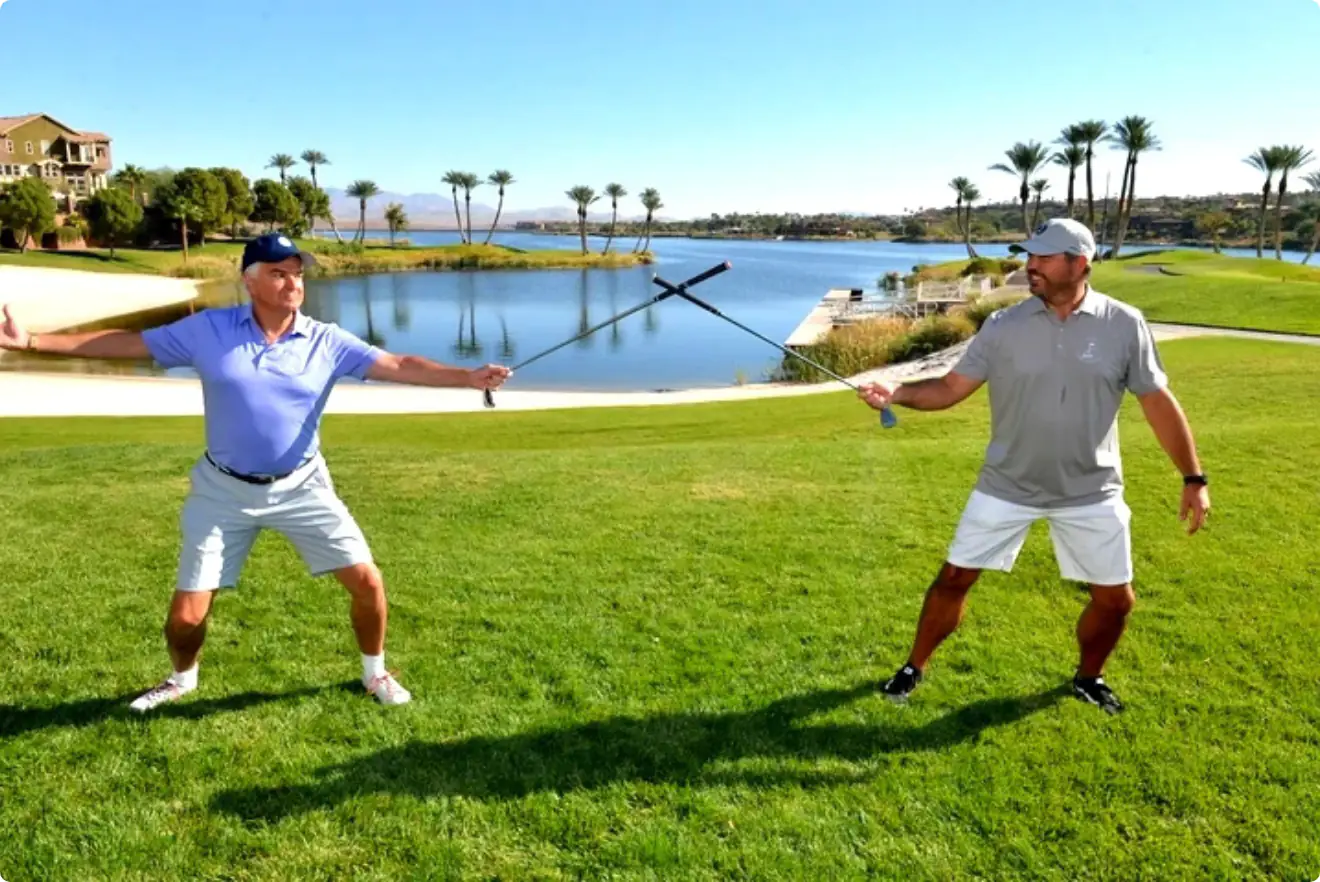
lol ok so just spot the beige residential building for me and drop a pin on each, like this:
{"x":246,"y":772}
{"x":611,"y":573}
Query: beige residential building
{"x":68,"y":160}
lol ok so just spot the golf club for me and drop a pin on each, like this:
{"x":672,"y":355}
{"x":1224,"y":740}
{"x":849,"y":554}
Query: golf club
{"x":670,"y":292}
{"x":887,"y":417}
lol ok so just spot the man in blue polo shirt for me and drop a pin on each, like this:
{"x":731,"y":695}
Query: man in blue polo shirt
{"x":266,"y":370}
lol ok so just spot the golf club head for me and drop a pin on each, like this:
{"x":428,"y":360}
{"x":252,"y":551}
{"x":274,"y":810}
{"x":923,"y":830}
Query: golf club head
{"x":888,"y":418}
{"x":488,"y":397}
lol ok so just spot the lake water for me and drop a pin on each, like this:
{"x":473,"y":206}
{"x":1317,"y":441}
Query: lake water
{"x":507,"y":316}
{"x":470,"y":318}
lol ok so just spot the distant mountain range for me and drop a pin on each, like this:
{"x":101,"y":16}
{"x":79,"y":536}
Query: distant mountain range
{"x":436,"y":211}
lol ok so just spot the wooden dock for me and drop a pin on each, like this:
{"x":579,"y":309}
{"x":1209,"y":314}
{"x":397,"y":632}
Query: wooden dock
{"x":821,"y":319}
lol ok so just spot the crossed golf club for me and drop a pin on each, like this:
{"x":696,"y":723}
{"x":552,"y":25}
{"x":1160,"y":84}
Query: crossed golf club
{"x":887,"y":417}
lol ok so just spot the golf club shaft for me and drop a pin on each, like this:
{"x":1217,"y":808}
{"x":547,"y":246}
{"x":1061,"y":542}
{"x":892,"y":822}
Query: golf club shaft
{"x":887,"y":415}
{"x":669,"y":292}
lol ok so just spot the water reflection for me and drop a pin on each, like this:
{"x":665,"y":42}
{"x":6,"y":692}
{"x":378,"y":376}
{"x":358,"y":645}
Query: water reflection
{"x":584,"y":310}
{"x":470,"y":348}
{"x":399,"y":300}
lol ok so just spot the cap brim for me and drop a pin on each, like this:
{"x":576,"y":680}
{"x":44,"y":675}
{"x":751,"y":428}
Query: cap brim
{"x":308,"y":258}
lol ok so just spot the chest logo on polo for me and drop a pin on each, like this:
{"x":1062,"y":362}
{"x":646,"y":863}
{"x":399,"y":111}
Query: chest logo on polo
{"x":1089,"y":354}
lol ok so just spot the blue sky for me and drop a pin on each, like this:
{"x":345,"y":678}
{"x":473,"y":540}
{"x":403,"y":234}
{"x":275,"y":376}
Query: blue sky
{"x":870,"y":105}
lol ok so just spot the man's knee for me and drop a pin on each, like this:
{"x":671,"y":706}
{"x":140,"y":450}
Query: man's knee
{"x":362,"y":580}
{"x":188,"y":610}
{"x":1116,"y":600}
{"x":954,"y":579}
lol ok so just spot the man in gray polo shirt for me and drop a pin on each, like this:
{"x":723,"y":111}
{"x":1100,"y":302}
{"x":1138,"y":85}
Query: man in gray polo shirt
{"x":1057,"y":365}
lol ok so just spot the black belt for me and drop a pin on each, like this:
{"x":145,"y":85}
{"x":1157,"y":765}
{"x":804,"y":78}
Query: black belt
{"x":250,"y":479}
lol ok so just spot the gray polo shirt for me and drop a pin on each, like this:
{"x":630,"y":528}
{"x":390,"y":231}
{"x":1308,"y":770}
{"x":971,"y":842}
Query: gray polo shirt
{"x":1055,"y":388}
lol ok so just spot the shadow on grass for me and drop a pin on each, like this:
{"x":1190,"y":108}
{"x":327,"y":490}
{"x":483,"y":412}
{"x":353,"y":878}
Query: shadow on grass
{"x":664,"y":748}
{"x":18,"y":720}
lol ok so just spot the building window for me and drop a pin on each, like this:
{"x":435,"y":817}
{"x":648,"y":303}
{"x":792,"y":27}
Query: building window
{"x":9,"y":146}
{"x":45,"y":147}
{"x":28,"y":144}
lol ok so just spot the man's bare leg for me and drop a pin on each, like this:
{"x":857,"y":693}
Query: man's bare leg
{"x":185,"y":632}
{"x":941,"y":614}
{"x":1099,"y":629}
{"x":368,"y":612}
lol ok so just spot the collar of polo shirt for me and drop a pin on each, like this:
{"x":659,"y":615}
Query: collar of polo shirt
{"x":1089,"y":305}
{"x":301,"y":321}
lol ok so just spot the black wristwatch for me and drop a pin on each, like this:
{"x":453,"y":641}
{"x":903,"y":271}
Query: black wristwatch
{"x":1188,"y":480}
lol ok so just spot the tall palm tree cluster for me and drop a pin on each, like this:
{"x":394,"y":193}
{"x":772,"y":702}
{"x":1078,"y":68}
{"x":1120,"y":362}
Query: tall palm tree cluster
{"x":1077,"y":150}
{"x":583,"y":197}
{"x":1280,"y":160}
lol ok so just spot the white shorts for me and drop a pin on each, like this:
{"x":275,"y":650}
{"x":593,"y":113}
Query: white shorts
{"x":1092,"y":543}
{"x":222,"y":517}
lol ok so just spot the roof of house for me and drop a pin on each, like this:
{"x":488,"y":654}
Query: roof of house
{"x":9,"y":123}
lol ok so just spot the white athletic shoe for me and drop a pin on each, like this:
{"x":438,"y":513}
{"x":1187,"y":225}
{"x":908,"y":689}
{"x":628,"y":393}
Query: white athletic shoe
{"x":388,"y":690}
{"x":153,"y":698}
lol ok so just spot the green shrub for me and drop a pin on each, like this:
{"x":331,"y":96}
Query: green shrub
{"x":930,"y":335}
{"x":978,"y":310}
{"x":991,"y":266}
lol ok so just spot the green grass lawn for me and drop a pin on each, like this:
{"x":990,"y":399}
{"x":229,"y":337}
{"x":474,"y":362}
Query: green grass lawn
{"x":644,"y":644}
{"x":1208,"y":289}
{"x":221,"y":259}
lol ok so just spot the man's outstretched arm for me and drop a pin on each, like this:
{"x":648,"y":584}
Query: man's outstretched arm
{"x":415,"y":370}
{"x":937,"y":393}
{"x":93,"y":344}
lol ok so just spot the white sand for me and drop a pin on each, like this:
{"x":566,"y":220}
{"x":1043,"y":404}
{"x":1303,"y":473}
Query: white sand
{"x":50,"y":299}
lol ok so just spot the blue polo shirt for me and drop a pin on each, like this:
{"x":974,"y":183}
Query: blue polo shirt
{"x":263,"y":401}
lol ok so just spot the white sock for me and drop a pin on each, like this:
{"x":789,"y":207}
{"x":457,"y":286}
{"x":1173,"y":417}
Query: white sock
{"x":185,"y":680}
{"x":372,"y":666}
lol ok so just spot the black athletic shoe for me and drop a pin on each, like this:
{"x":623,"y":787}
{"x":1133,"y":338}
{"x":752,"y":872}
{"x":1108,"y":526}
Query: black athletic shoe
{"x":1095,"y":691}
{"x":900,"y":686}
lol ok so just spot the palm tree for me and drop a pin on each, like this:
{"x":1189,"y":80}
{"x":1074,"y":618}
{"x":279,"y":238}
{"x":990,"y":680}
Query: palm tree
{"x":583,"y":196}
{"x":615,"y":192}
{"x":1023,"y":160}
{"x":1313,"y":181}
{"x":455,"y":180}
{"x":183,"y":211}
{"x":959,"y":186}
{"x":362,"y":191}
{"x":970,"y":195}
{"x":469,"y":182}
{"x":1268,"y":160}
{"x":134,"y":176}
{"x":1290,"y":158}
{"x":1071,"y":157}
{"x":651,"y":202}
{"x":1212,"y":224}
{"x":1038,"y":186}
{"x":501,"y":179}
{"x":281,"y":161}
{"x":315,"y":158}
{"x":1089,"y":133}
{"x":396,"y":218}
{"x":1133,"y":134}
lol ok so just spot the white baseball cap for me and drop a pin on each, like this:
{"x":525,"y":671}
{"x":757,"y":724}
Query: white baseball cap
{"x":1059,"y":236}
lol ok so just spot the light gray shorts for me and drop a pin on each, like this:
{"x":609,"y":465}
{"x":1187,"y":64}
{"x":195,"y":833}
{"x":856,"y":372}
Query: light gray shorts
{"x":222,"y":516}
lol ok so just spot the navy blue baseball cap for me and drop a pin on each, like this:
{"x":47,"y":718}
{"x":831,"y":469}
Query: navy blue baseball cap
{"x":272,"y":248}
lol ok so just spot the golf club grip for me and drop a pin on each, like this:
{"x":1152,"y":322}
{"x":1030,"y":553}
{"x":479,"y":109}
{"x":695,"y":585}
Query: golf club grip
{"x":710,"y":273}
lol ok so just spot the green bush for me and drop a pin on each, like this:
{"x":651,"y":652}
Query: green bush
{"x":930,"y":335}
{"x":991,"y":266}
{"x":981,"y":308}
